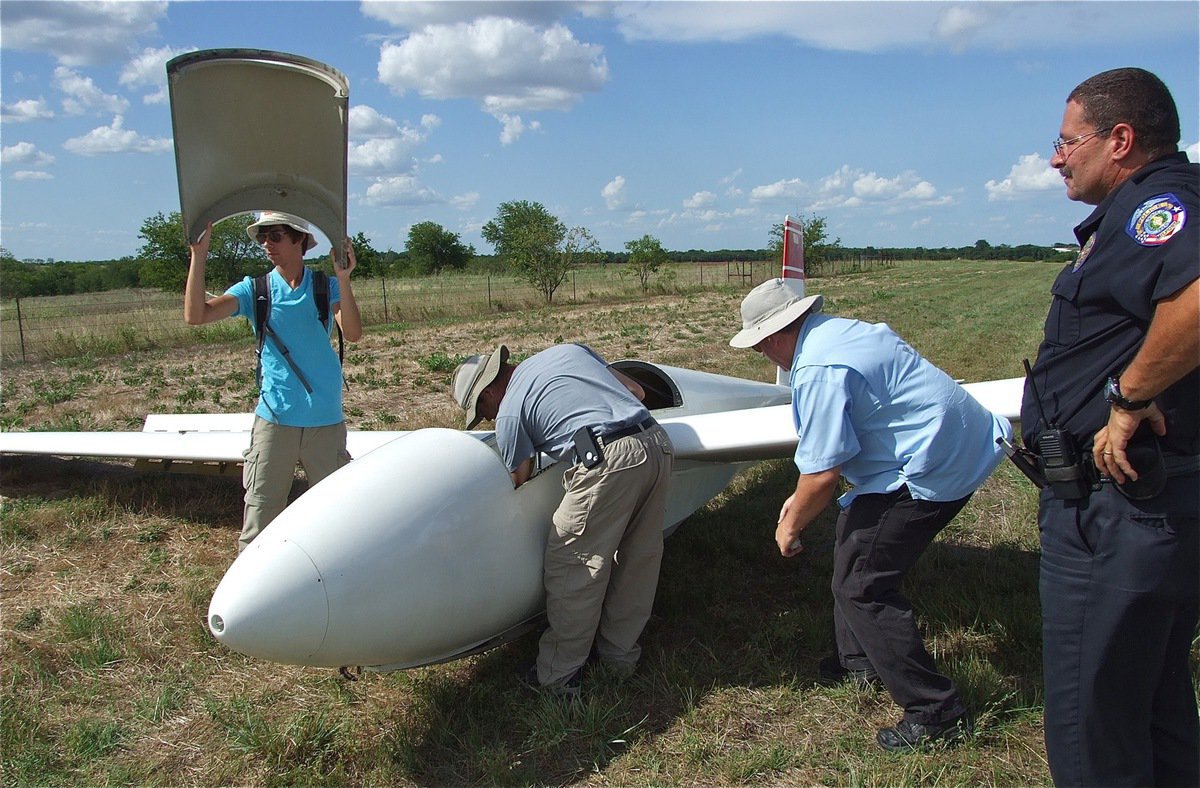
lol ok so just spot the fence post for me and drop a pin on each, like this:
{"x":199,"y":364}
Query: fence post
{"x":574,"y":297}
{"x":383,"y":282}
{"x":489,"y":289}
{"x":21,"y":329}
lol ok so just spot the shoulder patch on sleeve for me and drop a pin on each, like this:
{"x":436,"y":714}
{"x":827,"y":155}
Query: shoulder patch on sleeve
{"x":1157,"y":220}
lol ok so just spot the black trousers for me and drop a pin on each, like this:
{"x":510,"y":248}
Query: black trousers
{"x":1120,"y":588}
{"x":878,"y":539}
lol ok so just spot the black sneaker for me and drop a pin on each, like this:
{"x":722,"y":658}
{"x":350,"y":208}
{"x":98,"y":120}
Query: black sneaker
{"x":907,"y":736}
{"x":571,"y":688}
{"x":831,"y":673}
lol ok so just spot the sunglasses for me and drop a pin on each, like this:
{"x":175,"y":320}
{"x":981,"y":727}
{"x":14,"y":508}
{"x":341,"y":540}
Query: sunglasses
{"x":274,"y":236}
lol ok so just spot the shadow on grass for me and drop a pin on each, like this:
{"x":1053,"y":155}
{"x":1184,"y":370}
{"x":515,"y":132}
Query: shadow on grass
{"x":202,"y":499}
{"x":730,"y":613}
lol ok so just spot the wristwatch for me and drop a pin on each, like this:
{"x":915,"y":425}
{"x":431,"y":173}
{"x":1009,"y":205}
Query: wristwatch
{"x":1112,"y":394}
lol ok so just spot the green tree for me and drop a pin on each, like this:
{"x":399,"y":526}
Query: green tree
{"x":816,"y":248}
{"x":530,"y":239}
{"x":17,"y":279}
{"x":646,"y":256}
{"x":165,"y":254}
{"x":370,"y":261}
{"x":432,"y":248}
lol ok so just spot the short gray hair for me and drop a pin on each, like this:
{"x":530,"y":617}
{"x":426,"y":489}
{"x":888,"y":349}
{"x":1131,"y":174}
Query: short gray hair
{"x":1133,"y":96}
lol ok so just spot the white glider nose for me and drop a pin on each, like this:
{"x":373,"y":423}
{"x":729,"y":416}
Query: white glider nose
{"x":271,"y":604}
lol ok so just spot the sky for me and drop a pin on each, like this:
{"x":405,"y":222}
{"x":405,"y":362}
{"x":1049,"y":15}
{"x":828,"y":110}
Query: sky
{"x":701,"y":124}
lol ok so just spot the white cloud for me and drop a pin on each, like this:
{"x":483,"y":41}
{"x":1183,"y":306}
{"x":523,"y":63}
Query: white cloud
{"x":512,"y":127}
{"x":851,"y":187}
{"x":465,"y":201}
{"x":957,"y":24}
{"x":115,"y":139}
{"x":79,"y":33}
{"x":614,"y":193}
{"x":1193,"y":151}
{"x":508,"y":66}
{"x":25,"y":153}
{"x":891,"y":26}
{"x":26,"y":110}
{"x":1031,"y":173}
{"x":701,"y":199}
{"x":378,"y":156}
{"x":779,"y":190}
{"x":82,"y":95}
{"x":365,"y":121}
{"x":413,"y":15}
{"x":32,"y":175}
{"x":379,"y":145}
{"x":149,"y":70}
{"x":400,"y":190}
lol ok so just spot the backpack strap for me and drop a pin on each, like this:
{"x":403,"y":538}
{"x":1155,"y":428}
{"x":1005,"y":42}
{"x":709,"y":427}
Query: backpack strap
{"x":262,"y":309}
{"x":321,"y":296}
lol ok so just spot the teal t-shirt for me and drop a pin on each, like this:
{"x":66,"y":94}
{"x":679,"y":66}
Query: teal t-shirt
{"x":283,"y":398}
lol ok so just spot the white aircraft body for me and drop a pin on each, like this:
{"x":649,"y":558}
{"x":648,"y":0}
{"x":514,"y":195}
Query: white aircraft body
{"x":420,"y":550}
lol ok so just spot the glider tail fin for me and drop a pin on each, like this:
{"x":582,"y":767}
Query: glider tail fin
{"x":793,"y":249}
{"x":793,"y":267}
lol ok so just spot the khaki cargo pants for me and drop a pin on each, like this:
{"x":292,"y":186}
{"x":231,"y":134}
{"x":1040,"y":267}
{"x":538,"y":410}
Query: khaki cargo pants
{"x":603,"y":556}
{"x":270,"y":468}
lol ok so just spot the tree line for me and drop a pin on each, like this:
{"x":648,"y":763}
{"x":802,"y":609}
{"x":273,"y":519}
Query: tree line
{"x":528,"y":241}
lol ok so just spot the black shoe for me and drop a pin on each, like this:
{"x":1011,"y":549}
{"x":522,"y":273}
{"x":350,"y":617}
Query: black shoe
{"x":571,"y":688}
{"x":908,"y":736}
{"x":831,"y":673}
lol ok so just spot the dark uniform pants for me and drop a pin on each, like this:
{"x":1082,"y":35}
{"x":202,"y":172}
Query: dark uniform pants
{"x":1120,"y":588}
{"x":878,"y":539}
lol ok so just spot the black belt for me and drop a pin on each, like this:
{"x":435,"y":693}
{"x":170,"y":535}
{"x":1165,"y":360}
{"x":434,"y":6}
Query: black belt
{"x":625,"y":432}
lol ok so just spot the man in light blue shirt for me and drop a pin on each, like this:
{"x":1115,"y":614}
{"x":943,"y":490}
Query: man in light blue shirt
{"x":915,"y":446}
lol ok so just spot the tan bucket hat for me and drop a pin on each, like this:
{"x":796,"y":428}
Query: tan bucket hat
{"x":773,"y":305}
{"x":472,"y":377}
{"x":271,"y":218}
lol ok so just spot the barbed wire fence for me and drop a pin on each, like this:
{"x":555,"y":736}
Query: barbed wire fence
{"x":45,"y":328}
{"x":52,"y":327}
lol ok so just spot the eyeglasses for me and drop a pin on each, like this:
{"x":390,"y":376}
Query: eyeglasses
{"x":274,"y":236}
{"x":1060,"y":143}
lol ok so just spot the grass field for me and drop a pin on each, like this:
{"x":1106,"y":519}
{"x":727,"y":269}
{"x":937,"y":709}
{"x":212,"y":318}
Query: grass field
{"x":110,"y":676}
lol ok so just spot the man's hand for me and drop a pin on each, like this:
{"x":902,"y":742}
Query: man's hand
{"x":1109,"y":444}
{"x":788,"y":530}
{"x":199,"y":249}
{"x":813,"y":493}
{"x":343,"y":271}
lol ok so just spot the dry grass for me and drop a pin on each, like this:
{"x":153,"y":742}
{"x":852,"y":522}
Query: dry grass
{"x":109,"y":675}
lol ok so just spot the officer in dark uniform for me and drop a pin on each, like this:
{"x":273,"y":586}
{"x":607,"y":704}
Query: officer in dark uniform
{"x":1112,"y":407}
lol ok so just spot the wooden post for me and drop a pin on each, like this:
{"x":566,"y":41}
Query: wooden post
{"x":383,"y":281}
{"x":20,"y":329}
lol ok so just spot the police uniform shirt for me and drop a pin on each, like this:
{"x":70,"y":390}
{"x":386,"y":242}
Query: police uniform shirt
{"x":1139,"y":246}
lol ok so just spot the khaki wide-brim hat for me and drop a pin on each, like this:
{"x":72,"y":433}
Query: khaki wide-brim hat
{"x":272,"y":218}
{"x":772,"y":306}
{"x":472,"y":377}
